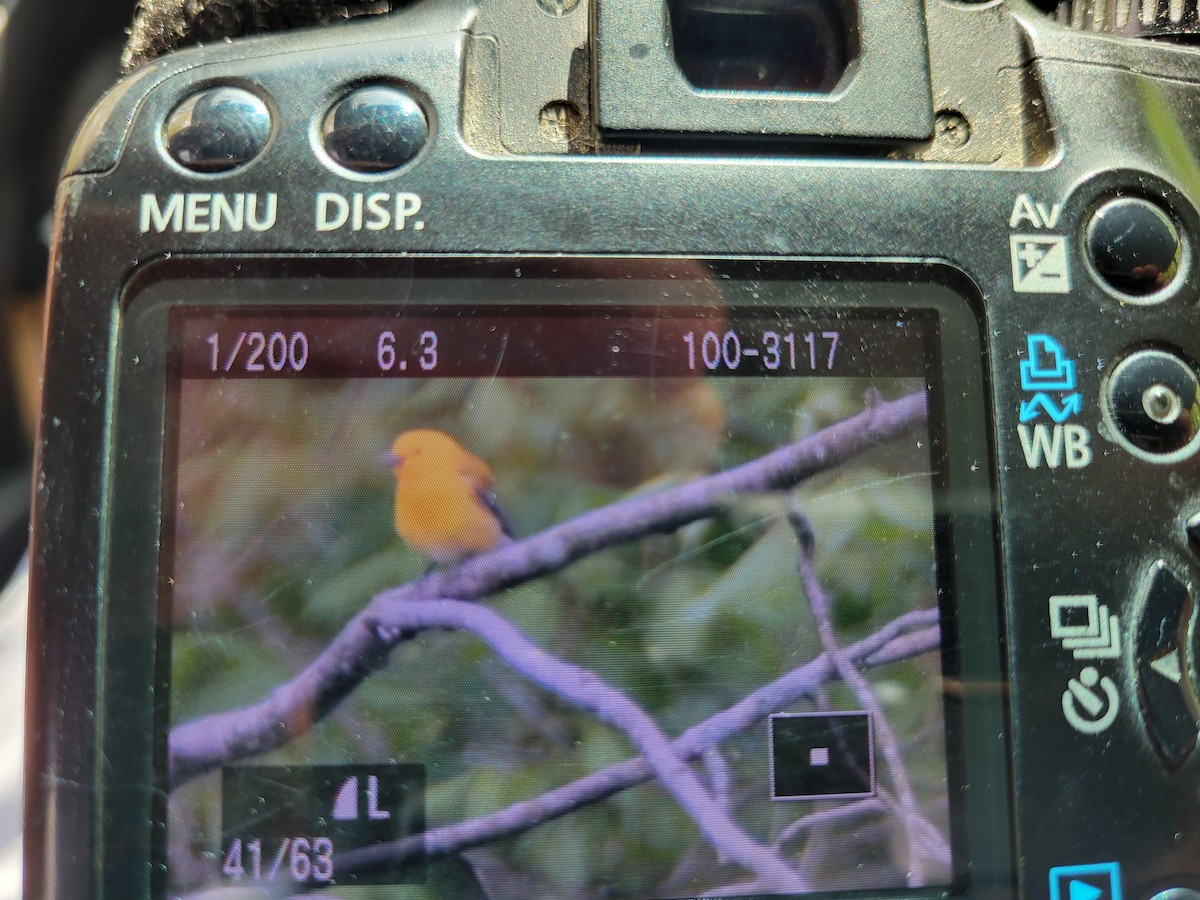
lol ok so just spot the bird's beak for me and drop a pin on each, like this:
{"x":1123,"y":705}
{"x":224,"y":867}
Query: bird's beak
{"x":390,"y":460}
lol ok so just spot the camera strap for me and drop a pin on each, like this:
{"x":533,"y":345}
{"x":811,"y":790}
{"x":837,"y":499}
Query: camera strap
{"x":161,"y":26}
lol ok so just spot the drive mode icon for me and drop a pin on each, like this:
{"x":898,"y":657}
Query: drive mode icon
{"x":1100,"y":881}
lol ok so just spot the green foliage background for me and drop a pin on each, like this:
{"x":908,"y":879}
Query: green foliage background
{"x":284,"y":531}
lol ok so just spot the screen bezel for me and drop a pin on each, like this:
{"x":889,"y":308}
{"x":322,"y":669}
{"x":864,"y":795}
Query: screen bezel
{"x":132,"y":731}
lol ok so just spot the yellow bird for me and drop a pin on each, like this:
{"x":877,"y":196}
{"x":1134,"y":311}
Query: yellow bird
{"x":446,"y":505}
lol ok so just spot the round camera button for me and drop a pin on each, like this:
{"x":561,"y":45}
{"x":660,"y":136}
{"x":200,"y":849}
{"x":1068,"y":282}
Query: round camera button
{"x":1134,"y":246}
{"x":218,"y":129}
{"x":374,"y":129}
{"x":1154,"y":401}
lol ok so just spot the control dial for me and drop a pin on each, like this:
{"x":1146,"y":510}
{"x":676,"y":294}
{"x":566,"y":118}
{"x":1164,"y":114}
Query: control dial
{"x":1170,"y":19}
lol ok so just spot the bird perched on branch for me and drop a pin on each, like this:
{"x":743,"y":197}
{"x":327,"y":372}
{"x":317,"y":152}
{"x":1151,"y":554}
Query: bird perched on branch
{"x":446,"y":505}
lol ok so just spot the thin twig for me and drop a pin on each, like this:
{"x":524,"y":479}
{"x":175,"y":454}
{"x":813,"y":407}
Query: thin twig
{"x":824,"y":817}
{"x":720,"y":778}
{"x":720,"y":782}
{"x":917,"y":829}
{"x":293,"y":707}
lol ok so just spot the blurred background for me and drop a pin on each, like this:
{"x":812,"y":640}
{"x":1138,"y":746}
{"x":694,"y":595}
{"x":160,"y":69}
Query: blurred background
{"x":56,"y":58}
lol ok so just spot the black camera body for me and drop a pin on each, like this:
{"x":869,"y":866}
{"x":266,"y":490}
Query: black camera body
{"x":909,"y":318}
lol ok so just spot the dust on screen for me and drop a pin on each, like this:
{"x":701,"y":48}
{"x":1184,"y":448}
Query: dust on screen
{"x":742,"y":698}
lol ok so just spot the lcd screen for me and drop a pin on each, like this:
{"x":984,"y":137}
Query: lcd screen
{"x":572,"y":600}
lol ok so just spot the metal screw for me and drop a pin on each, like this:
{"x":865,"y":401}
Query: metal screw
{"x":1162,"y":404}
{"x":559,"y":121}
{"x":951,"y":129}
{"x":557,"y":8}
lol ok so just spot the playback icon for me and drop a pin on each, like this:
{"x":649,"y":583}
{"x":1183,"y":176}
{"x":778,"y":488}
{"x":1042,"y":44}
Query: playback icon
{"x":1099,"y":881}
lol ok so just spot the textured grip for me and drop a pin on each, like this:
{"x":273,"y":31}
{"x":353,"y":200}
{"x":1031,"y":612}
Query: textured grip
{"x":1133,"y":18}
{"x":160,"y":26}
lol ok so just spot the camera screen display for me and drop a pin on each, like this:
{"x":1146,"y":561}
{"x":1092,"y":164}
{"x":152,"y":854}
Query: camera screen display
{"x":577,"y":599}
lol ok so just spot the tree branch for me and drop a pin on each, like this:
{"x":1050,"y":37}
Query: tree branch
{"x":912,"y":634}
{"x":918,"y":831}
{"x":292,"y":708}
{"x":593,"y":694}
{"x":588,"y":691}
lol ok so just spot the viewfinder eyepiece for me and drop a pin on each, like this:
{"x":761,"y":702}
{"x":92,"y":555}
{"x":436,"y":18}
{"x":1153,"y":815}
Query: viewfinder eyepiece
{"x":827,"y":69}
{"x":764,"y":45}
